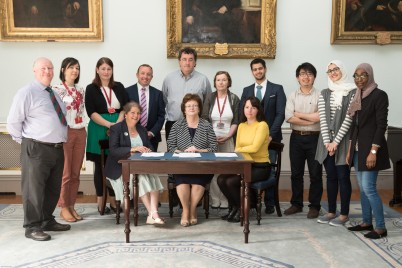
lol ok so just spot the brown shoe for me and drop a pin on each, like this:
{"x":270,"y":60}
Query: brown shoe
{"x":293,"y":210}
{"x":313,"y":213}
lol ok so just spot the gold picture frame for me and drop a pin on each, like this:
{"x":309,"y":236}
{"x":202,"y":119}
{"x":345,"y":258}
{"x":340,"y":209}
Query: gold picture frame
{"x":21,"y":21}
{"x":367,"y":23}
{"x":263,"y":47}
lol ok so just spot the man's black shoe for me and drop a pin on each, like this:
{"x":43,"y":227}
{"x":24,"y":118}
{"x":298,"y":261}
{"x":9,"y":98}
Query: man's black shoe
{"x":269,"y":210}
{"x":57,"y":227}
{"x":37,"y":235}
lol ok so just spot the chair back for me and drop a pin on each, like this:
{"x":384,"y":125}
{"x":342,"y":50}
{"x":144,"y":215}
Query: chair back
{"x":278,"y":148}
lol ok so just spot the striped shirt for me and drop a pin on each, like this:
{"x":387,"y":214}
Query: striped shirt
{"x":328,"y":134}
{"x":180,"y":138}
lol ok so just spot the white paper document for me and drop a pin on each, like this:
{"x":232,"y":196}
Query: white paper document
{"x":225,"y":155}
{"x":152,"y":154}
{"x":186,"y":155}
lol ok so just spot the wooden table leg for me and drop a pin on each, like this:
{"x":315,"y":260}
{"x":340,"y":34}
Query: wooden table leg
{"x":135,"y":197}
{"x":126,"y":179}
{"x":246,"y":230}
{"x":242,"y":196}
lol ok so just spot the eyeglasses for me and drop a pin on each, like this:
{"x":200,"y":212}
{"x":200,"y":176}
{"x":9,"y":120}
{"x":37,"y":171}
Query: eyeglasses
{"x":192,"y":106}
{"x":305,"y":74}
{"x":335,"y":70}
{"x":362,"y":76}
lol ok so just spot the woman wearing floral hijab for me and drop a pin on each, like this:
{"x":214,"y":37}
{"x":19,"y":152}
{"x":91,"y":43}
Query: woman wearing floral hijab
{"x":333,"y":141}
{"x":368,"y":151}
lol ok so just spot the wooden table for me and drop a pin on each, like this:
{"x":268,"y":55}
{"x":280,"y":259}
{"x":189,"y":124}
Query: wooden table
{"x":167,"y":164}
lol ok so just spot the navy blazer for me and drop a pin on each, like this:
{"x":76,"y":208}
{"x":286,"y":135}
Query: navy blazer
{"x":274,"y":103}
{"x":156,"y":109}
{"x":120,"y":146}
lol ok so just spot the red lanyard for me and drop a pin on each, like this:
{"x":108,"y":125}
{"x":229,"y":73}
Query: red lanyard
{"x":77,"y":99}
{"x":219,"y":107}
{"x":108,"y":98}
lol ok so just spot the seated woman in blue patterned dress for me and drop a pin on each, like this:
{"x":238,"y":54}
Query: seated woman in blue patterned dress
{"x":196,"y":135}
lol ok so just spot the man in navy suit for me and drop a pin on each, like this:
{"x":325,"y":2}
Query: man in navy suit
{"x":273,"y":101}
{"x":155,"y":106}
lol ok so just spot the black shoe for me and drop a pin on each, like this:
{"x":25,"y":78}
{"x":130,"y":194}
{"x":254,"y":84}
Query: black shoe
{"x":112,"y":210}
{"x":236,"y":217}
{"x":37,"y":235}
{"x":359,"y":228}
{"x":232,"y":213}
{"x":57,"y":227}
{"x":269,"y":209}
{"x":107,"y":211}
{"x":375,"y":235}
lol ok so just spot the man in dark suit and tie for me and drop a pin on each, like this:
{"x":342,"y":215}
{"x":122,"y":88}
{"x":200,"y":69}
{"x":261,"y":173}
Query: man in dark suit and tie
{"x":273,"y":101}
{"x":151,"y":101}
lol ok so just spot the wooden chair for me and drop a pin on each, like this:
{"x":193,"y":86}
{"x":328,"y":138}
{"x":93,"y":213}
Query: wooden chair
{"x":205,"y":199}
{"x":104,"y":145}
{"x":262,"y":186}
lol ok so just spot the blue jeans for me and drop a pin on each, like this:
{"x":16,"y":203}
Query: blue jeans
{"x":269,"y":197}
{"x":369,"y":197}
{"x":338,"y":177}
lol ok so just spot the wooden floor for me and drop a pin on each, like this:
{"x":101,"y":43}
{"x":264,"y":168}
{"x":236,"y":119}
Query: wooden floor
{"x":285,"y":195}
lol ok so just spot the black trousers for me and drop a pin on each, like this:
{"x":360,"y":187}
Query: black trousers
{"x":302,"y":149}
{"x":42,"y":170}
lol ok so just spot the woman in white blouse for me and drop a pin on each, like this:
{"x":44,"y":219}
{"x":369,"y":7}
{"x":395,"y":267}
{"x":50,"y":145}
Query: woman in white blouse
{"x":221,"y":110}
{"x":72,"y":95}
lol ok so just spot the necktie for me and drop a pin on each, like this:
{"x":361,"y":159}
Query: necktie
{"x":56,"y":106}
{"x":259,"y":94}
{"x":144,"y":117}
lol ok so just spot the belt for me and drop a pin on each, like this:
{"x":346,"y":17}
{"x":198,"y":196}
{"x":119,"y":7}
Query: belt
{"x":305,"y":133}
{"x":55,"y":145}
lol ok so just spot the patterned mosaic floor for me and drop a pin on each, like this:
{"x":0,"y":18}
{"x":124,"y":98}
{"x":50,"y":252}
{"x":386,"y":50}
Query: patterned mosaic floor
{"x":291,"y":241}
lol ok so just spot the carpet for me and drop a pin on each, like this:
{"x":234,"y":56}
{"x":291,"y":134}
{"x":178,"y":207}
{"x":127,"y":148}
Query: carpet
{"x":289,"y":241}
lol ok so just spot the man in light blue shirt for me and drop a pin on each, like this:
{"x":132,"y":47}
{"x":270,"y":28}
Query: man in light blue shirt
{"x":177,"y":84}
{"x":36,"y":121}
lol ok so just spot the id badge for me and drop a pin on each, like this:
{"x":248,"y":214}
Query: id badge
{"x":78,"y":120}
{"x":220,"y":125}
{"x":111,"y":110}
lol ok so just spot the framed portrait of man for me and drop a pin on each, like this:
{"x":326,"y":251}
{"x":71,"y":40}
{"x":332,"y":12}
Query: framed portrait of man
{"x":366,"y":22}
{"x":222,"y":28}
{"x":55,"y":20}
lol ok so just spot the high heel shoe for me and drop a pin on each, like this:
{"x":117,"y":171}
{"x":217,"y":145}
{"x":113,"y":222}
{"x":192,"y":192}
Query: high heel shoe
{"x":152,"y":220}
{"x":232,"y":214}
{"x":236,"y":217}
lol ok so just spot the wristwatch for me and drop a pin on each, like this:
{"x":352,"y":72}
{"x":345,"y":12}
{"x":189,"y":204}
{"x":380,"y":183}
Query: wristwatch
{"x":374,"y":152}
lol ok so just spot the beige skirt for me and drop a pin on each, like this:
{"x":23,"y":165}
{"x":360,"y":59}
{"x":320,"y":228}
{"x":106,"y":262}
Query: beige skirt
{"x":146,"y":183}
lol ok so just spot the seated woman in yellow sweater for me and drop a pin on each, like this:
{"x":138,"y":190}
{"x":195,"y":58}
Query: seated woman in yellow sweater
{"x":252,"y":138}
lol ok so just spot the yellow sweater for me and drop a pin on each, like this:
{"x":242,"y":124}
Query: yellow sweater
{"x":253,"y":139}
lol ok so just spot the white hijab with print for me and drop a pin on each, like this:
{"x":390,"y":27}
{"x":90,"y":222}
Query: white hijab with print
{"x":341,"y":87}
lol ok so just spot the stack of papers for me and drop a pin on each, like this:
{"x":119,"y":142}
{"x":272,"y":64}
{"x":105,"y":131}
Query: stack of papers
{"x":152,"y":154}
{"x":186,"y":155}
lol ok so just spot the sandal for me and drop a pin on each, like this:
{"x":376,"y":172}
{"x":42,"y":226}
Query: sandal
{"x":184,"y":223}
{"x":152,"y":220}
